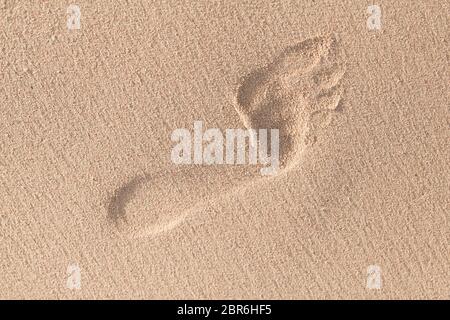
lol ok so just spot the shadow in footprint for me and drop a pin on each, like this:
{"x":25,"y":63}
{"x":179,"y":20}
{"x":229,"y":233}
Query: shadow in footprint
{"x":123,"y":195}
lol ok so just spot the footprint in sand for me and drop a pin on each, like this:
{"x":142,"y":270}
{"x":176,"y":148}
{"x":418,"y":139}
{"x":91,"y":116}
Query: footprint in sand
{"x":296,"y":93}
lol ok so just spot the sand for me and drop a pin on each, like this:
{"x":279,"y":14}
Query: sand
{"x":92,"y":207}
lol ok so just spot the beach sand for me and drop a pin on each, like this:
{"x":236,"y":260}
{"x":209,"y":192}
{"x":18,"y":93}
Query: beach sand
{"x":359,"y":208}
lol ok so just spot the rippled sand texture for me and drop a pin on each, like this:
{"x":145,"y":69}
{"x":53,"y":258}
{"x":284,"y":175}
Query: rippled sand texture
{"x":358,"y":209}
